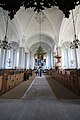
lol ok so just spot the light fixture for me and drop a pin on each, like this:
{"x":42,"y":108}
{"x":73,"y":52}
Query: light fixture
{"x":40,"y":17}
{"x":4,"y":44}
{"x":9,"y":62}
{"x":76,"y":43}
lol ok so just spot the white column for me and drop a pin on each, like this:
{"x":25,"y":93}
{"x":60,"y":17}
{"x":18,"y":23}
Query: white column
{"x":21,"y":57}
{"x":78,"y":56}
{"x":7,"y":59}
{"x":54,"y":60}
{"x":26,"y":60}
{"x":74,"y":56}
{"x":76,"y":61}
{"x":66,"y":53}
{"x":11,"y":57}
{"x":70,"y":58}
{"x":32,"y":61}
{"x":47,"y":61}
{"x":67,"y":60}
{"x":3,"y":58}
{"x":51,"y":60}
{"x":0,"y":57}
{"x":14,"y":59}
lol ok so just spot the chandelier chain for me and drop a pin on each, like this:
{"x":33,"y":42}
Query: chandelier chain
{"x":76,"y":43}
{"x":4,"y":43}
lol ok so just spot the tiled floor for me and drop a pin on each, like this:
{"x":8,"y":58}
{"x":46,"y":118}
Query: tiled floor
{"x":39,"y":103}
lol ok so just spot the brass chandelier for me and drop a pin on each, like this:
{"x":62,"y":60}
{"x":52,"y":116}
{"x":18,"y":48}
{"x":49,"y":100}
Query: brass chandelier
{"x":4,"y":44}
{"x":40,"y":17}
{"x":76,"y":43}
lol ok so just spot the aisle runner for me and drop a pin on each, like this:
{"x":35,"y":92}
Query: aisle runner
{"x":39,"y":88}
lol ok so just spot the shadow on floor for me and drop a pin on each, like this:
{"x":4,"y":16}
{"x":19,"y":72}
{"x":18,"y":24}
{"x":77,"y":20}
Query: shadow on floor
{"x":59,"y":90}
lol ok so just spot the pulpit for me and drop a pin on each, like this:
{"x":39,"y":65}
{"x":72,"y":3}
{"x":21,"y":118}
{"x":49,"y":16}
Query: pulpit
{"x":58,"y":63}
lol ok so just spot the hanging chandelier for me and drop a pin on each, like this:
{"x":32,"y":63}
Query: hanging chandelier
{"x":76,"y":43}
{"x":4,"y":44}
{"x":40,"y":50}
{"x":40,"y":17}
{"x":39,"y":53}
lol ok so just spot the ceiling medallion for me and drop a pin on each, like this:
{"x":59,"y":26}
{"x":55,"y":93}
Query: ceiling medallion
{"x":40,"y":17}
{"x":13,"y":6}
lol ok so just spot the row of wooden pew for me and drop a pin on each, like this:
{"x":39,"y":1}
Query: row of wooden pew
{"x":68,"y":78}
{"x":9,"y":78}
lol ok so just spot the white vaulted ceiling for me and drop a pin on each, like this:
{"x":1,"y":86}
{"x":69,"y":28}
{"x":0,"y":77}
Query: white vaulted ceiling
{"x":25,"y":30}
{"x":30,"y":29}
{"x":67,"y":30}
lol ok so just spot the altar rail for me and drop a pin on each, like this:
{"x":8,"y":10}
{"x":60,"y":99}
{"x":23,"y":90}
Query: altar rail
{"x":68,"y":78}
{"x":10,"y":78}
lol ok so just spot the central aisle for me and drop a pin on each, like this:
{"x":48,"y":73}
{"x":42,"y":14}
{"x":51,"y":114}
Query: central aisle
{"x":39,"y":103}
{"x":39,"y":89}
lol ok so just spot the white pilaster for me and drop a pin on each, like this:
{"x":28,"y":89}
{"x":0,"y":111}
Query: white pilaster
{"x":76,"y":61}
{"x":21,"y":57}
{"x":51,"y":60}
{"x":3,"y":58}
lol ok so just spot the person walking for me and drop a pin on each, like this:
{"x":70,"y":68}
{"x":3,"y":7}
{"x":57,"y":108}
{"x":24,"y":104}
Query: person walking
{"x":41,"y":71}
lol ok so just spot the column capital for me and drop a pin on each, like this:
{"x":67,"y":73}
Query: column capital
{"x":58,"y":47}
{"x":27,"y":50}
{"x":21,"y":47}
